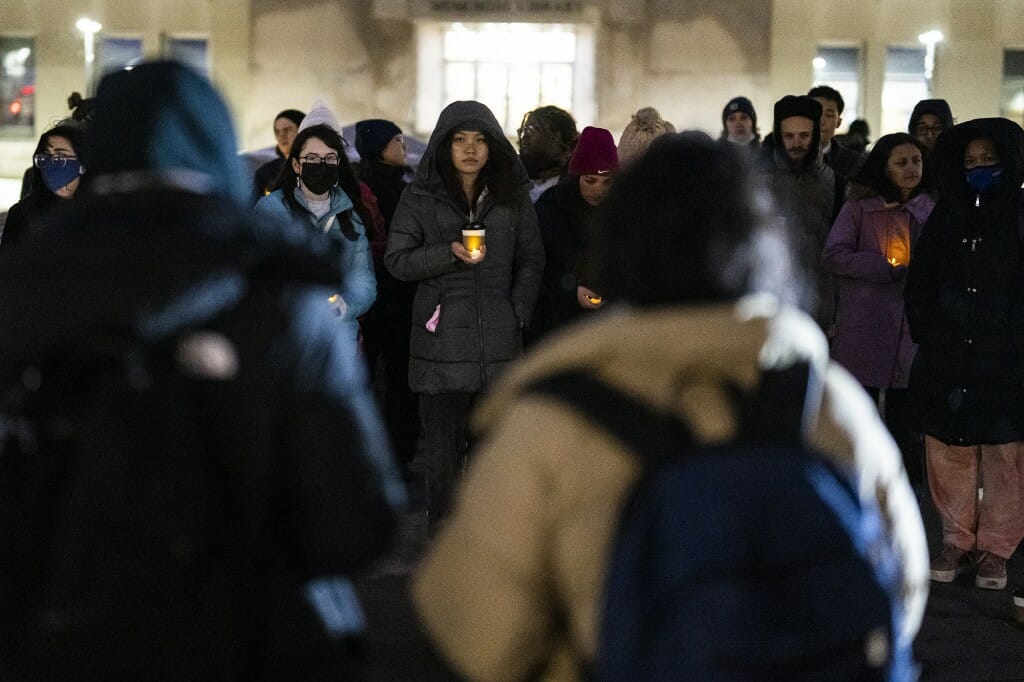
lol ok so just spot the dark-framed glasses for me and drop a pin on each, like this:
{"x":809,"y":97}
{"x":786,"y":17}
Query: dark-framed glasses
{"x":530,"y":129}
{"x":56,"y":160}
{"x":923,"y":129}
{"x":329,"y":159}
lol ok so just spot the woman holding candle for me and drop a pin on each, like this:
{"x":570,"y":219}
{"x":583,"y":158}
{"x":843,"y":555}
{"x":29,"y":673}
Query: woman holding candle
{"x":868,"y":250}
{"x":567,"y":214}
{"x":965,"y":303}
{"x":471,"y":303}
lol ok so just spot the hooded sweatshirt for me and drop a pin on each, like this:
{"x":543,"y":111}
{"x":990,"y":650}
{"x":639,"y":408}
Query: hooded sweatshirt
{"x":477,"y":311}
{"x":965,"y":296}
{"x":936,"y":107}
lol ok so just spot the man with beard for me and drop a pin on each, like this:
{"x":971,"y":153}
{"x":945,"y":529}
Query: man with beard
{"x":547,"y":138}
{"x":804,"y":190}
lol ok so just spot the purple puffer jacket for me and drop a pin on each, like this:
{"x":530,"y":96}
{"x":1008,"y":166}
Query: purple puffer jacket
{"x":872,"y":339}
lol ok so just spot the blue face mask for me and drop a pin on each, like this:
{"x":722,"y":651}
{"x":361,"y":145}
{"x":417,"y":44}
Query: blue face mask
{"x":982,"y":178}
{"x":57,"y":174}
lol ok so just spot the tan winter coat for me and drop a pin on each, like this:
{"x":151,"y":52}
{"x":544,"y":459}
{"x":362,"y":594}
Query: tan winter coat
{"x":511,"y":589}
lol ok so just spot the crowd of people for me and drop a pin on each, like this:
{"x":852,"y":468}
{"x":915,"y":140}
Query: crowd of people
{"x":380,"y":312}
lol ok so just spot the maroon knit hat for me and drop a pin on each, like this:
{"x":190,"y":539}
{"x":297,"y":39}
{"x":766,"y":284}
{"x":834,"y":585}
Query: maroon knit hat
{"x":595,"y":153}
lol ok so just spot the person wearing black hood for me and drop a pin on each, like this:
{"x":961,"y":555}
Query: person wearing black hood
{"x":161,"y":252}
{"x":928,"y":119}
{"x":804,"y":188}
{"x":54,"y":178}
{"x":965,"y":306}
{"x":471,"y":305}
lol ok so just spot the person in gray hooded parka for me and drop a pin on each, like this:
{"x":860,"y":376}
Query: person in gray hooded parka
{"x":470,"y":307}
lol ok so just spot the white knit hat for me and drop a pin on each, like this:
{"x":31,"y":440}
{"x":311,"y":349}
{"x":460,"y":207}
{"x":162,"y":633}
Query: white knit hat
{"x":320,"y":114}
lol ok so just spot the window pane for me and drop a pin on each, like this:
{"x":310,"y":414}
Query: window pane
{"x":460,"y":45}
{"x":518,"y":67}
{"x":459,"y":81}
{"x":119,"y":53}
{"x":190,"y":51}
{"x":839,"y":67}
{"x":17,"y":87}
{"x":1013,"y":86}
{"x":556,"y":85}
{"x":524,"y":87}
{"x":492,"y":89}
{"x":905,"y":85}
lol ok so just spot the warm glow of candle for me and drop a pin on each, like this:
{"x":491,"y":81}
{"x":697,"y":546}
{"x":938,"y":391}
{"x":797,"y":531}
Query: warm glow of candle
{"x":892,"y":261}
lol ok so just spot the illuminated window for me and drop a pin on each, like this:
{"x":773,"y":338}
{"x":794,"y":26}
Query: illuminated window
{"x":190,"y":51}
{"x":1012,"y":104}
{"x":17,"y":87}
{"x":512,"y":68}
{"x":114,"y":54}
{"x":905,"y":85}
{"x":839,"y":67}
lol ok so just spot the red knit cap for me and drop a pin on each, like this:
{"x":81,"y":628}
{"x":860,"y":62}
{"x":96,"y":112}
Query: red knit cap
{"x":595,"y":153}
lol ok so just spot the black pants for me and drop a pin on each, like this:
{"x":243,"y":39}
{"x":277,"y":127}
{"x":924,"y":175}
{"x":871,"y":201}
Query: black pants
{"x":445,"y":419}
{"x":896,"y":415}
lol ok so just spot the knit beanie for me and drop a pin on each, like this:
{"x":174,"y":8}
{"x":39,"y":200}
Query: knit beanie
{"x":594,"y":154}
{"x":739,"y":104}
{"x":797,"y":105}
{"x":645,"y":125}
{"x":293,"y":115}
{"x":321,"y":114}
{"x":373,"y":135}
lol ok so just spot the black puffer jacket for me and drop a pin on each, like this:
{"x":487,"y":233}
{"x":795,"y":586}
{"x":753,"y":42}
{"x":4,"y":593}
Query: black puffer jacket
{"x":965,"y":297}
{"x":483,"y":307}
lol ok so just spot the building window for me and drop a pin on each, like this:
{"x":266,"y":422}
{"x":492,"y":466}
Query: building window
{"x":905,"y":85}
{"x":839,"y":67}
{"x":189,"y":51}
{"x":115,"y":54}
{"x":1012,"y":103}
{"x":512,"y":68}
{"x":17,"y":87}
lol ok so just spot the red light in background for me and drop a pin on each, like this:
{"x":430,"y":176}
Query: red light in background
{"x":15,"y":107}
{"x":27,"y":90}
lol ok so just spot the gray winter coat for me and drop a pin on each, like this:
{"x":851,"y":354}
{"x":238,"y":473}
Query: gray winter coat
{"x":483,"y":307}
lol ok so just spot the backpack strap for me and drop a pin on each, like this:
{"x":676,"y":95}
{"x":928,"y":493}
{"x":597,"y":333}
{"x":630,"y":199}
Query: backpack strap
{"x":772,"y":414}
{"x":649,"y":433}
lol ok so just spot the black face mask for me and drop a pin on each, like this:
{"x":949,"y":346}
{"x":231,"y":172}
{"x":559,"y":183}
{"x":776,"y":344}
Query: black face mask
{"x":318,"y":178}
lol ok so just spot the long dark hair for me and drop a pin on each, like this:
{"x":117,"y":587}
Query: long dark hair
{"x":39,"y":194}
{"x":498,"y":175}
{"x":872,"y":179}
{"x":288,"y":180}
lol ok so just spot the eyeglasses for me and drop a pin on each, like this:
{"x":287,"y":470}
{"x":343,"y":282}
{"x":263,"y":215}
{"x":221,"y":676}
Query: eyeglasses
{"x":531,"y":129}
{"x":57,"y":160}
{"x":329,"y":159}
{"x":929,"y":130}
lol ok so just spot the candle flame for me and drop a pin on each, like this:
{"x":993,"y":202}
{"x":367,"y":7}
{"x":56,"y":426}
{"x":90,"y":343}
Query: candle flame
{"x":892,"y":261}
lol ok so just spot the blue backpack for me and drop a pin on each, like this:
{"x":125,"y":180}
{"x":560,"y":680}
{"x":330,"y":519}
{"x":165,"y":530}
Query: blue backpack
{"x":752,"y":560}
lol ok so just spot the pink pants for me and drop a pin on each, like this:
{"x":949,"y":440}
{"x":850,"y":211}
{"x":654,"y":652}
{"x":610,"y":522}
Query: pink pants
{"x":996,"y":523}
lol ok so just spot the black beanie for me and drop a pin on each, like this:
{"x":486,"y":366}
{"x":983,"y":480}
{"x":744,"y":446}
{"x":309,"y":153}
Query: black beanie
{"x":372,"y":135}
{"x":740,"y":104}
{"x":797,"y":105}
{"x":293,"y":115}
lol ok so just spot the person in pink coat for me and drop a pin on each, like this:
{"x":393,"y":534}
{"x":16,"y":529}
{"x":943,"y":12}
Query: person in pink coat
{"x":868,"y":250}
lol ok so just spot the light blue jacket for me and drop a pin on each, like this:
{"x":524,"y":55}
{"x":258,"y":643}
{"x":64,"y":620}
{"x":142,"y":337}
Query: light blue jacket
{"x":359,"y":286}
